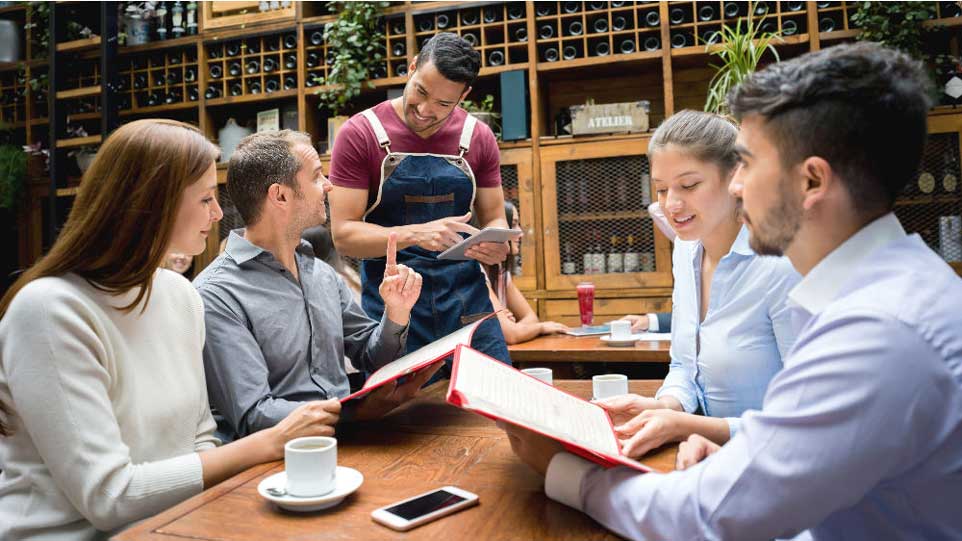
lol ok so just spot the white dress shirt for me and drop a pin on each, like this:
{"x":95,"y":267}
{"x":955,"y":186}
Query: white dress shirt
{"x":860,"y":436}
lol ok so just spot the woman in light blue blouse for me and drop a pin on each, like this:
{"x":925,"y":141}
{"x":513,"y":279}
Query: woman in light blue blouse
{"x":730,"y":325}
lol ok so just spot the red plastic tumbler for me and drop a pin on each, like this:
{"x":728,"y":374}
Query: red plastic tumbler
{"x":586,"y":302}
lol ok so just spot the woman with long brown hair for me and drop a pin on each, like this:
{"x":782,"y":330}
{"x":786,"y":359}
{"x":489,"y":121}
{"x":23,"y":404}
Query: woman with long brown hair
{"x":106,"y":419}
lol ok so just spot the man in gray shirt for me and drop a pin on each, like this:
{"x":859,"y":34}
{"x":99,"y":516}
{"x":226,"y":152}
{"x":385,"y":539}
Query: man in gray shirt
{"x":279,"y":322}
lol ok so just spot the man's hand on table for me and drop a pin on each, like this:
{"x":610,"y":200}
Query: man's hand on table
{"x":385,"y":398}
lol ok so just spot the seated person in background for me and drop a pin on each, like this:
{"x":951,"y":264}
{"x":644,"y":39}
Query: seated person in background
{"x":105,"y":419}
{"x":731,"y":324}
{"x":860,"y":436}
{"x":320,"y":238}
{"x":280,"y":321}
{"x":518,"y":321}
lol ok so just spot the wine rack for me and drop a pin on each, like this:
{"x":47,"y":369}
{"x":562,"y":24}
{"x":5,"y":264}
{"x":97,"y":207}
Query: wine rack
{"x":498,"y":31}
{"x":698,"y":24}
{"x":834,"y":16}
{"x":257,"y":65}
{"x":572,"y":30}
{"x":164,"y":78}
{"x":948,"y":10}
{"x":931,"y":203}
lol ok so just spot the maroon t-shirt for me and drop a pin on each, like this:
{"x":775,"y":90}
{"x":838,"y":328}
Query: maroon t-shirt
{"x":356,"y":157}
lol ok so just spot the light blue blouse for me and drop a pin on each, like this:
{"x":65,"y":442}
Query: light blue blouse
{"x":723,"y":364}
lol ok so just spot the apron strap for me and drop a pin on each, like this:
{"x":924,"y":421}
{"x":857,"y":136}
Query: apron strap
{"x":466,"y":132}
{"x":382,"y":139}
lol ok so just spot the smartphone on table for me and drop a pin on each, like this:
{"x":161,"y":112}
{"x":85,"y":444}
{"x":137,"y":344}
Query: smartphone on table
{"x":424,"y":508}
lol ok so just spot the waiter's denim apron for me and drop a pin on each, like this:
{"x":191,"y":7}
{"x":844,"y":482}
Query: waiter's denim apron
{"x":419,"y":188}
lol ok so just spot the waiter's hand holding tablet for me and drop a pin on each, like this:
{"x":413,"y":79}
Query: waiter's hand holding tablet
{"x":483,"y":245}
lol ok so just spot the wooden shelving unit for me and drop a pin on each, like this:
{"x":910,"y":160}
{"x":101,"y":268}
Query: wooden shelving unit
{"x":617,"y":55}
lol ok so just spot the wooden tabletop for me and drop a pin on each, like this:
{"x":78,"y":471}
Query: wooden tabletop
{"x":422,"y":446}
{"x":565,"y":348}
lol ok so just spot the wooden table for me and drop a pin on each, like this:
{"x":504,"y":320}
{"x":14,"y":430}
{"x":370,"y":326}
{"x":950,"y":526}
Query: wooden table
{"x":422,"y":446}
{"x":586,"y":349}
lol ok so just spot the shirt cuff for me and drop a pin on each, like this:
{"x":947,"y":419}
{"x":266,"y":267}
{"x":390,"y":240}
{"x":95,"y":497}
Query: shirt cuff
{"x":734,"y":425}
{"x":688,"y":402}
{"x":562,"y":482}
{"x":653,"y":323}
{"x":392,"y":328}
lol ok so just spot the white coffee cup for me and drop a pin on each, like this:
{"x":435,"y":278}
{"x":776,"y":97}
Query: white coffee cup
{"x":607,"y":385}
{"x":311,"y":466}
{"x":620,"y":330}
{"x":544,"y":374}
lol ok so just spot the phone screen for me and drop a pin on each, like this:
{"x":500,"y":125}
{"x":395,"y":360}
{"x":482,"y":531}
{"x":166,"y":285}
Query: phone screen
{"x":439,"y":499}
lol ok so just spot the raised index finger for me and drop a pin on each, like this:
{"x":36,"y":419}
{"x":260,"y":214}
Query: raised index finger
{"x":390,"y":268}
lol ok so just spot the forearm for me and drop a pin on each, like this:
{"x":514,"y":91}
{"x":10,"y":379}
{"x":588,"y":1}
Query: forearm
{"x":672,"y":403}
{"x":714,"y":428}
{"x":518,"y":332}
{"x":359,"y":239}
{"x":226,"y":461}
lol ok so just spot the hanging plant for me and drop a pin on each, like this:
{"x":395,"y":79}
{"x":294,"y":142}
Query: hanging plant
{"x":358,"y":48}
{"x":38,"y":13}
{"x":894,"y":24}
{"x":13,"y":169}
{"x":740,"y":48}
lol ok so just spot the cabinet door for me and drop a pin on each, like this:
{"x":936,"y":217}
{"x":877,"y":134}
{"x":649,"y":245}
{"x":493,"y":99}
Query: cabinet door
{"x":931,"y":202}
{"x":517,"y":183}
{"x":595,"y":199}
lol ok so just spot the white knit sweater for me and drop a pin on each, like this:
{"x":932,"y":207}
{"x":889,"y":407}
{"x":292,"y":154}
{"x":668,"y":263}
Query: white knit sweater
{"x":109,"y":408}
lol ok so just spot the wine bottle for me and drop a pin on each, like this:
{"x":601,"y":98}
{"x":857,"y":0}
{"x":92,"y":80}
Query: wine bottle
{"x":253,"y":66}
{"x":496,"y":58}
{"x":826,"y":24}
{"x":469,"y":17}
{"x":619,"y":23}
{"x":926,"y":183}
{"x":290,"y":82}
{"x":616,"y":259}
{"x":596,"y":6}
{"x":213,"y":53}
{"x":212,"y":92}
{"x":290,"y":61}
{"x":568,"y":265}
{"x":140,"y":81}
{"x":761,"y":9}
{"x":290,"y":41}
{"x":768,"y":27}
{"x":190,"y":74}
{"x":273,"y":45}
{"x":571,"y":7}
{"x":627,"y":46}
{"x":709,"y":37}
{"x":215,"y":71}
{"x":154,"y":99}
{"x":173,"y":59}
{"x":543,"y":9}
{"x":677,"y":16}
{"x":272,"y":85}
{"x":652,"y":18}
{"x":575,"y":28}
{"x":680,"y":39}
{"x":950,"y":9}
{"x":401,"y":69}
{"x":570,"y":52}
{"x":193,"y":94}
{"x":789,"y":27}
{"x":312,"y":59}
{"x":398,"y":48}
{"x":546,"y":31}
{"x":652,"y":43}
{"x":232,"y":49}
{"x":515,"y":11}
{"x":491,"y":14}
{"x":471,"y":38}
{"x":425,"y":24}
{"x":732,"y":10}
{"x":270,"y":64}
{"x":521,"y":34}
{"x":598,"y":255}
{"x":443,"y":21}
{"x":600,"y":25}
{"x":173,"y":77}
{"x":950,"y":173}
{"x":707,"y":13}
{"x":254,"y":87}
{"x":551,"y":54}
{"x":236,"y":88}
{"x":794,"y":6}
{"x":602,"y":48}
{"x":631,"y":258}
{"x":253,"y":46}
{"x":173,"y":97}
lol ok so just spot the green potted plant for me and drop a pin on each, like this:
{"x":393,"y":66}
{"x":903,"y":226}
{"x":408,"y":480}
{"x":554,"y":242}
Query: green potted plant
{"x":895,"y":24}
{"x":13,"y":169}
{"x":740,"y":49}
{"x":484,"y":111}
{"x":358,"y":47}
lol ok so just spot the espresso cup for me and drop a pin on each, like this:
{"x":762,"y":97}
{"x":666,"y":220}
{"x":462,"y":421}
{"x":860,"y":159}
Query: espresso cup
{"x":621,"y":330}
{"x":544,"y":374}
{"x":311,"y":466}
{"x":608,"y":385}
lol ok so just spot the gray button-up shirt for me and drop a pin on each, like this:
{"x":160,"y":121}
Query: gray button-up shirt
{"x":273,"y":342}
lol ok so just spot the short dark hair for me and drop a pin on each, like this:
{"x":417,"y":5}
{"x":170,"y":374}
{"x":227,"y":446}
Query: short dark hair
{"x":862,"y":107}
{"x":262,"y":159}
{"x":454,"y":58}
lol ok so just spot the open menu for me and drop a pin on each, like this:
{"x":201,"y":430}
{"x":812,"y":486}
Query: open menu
{"x":498,"y":391}
{"x":431,"y":353}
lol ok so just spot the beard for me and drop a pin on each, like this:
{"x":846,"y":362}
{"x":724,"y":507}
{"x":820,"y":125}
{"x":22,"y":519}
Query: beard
{"x":772,"y":236}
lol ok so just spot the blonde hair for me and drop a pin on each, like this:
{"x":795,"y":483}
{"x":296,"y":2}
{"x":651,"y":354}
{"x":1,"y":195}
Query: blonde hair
{"x":705,"y":136}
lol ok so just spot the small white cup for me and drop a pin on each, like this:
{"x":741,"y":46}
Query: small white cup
{"x":620,"y":330}
{"x":544,"y":374}
{"x":607,"y":385}
{"x":311,"y":466}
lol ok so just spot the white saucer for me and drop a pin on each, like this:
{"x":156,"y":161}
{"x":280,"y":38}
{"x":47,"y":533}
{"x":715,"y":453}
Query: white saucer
{"x":618,"y":343}
{"x":348,"y":480}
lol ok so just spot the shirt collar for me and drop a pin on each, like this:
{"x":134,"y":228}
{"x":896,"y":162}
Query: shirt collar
{"x":740,"y":246}
{"x":821,"y":285}
{"x":242,"y":250}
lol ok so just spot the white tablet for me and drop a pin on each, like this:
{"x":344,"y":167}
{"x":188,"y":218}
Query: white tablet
{"x":488,"y":234}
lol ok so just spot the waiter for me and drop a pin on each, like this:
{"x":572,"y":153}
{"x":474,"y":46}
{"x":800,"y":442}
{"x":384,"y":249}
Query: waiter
{"x":420,"y":166}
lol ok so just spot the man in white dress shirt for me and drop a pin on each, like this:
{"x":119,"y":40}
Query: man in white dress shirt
{"x":860,"y":434}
